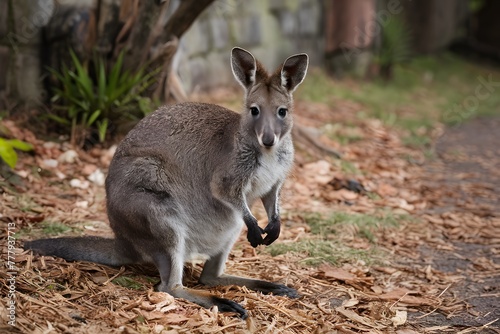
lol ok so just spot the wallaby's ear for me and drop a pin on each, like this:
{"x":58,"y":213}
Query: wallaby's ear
{"x":244,"y":67}
{"x":294,"y":71}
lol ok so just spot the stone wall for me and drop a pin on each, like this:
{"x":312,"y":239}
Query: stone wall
{"x":22,"y":47}
{"x":20,"y":43}
{"x":271,"y":29}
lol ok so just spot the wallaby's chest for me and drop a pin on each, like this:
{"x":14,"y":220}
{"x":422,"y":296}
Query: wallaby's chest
{"x":272,"y":167}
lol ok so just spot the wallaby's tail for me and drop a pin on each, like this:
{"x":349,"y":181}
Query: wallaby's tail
{"x":92,"y":249}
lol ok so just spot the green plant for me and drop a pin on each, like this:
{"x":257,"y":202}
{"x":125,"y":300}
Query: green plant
{"x":325,"y":226}
{"x":325,"y":243}
{"x":348,"y":167}
{"x":128,"y":282}
{"x":54,"y":228}
{"x":395,"y":47}
{"x":317,"y":251}
{"x":93,"y":101}
{"x":8,"y":150}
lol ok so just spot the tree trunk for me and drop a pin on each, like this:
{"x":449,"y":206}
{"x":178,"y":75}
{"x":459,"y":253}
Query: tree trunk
{"x":21,"y":27}
{"x":153,"y":28}
{"x":349,"y":34}
{"x":434,"y":23}
{"x":183,"y":18}
{"x":142,"y":18}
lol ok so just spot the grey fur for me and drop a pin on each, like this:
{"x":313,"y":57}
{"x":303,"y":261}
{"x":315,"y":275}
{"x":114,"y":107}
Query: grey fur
{"x":182,"y":181}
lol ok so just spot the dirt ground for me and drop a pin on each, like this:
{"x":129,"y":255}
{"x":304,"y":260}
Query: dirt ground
{"x":415,"y":249}
{"x":468,"y":157}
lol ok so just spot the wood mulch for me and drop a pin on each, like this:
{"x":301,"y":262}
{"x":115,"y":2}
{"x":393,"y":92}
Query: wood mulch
{"x":404,"y":285}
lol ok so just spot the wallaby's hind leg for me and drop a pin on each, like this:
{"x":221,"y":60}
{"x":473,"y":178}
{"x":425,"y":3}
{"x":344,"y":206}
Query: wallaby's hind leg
{"x":213,"y":275}
{"x":171,"y":282}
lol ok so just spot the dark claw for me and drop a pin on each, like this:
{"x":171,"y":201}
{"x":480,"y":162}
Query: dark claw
{"x":273,"y":231}
{"x":226,"y":305}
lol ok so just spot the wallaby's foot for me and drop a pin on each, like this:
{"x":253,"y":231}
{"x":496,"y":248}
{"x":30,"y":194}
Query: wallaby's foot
{"x":204,"y":299}
{"x":226,"y":305}
{"x":208,"y":278}
{"x":275,"y":288}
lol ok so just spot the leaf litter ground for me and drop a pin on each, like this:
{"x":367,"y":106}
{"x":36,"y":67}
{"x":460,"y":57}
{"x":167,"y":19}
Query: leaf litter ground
{"x":385,"y":240}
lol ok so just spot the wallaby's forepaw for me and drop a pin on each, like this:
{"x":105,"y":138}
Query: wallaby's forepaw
{"x":254,"y":235}
{"x":226,"y":305}
{"x":273,"y":231}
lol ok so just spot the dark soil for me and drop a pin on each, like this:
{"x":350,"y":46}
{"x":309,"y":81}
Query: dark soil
{"x":468,"y":159}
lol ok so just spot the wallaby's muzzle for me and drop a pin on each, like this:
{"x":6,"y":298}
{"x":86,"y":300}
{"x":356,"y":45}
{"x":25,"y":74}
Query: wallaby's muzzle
{"x":268,"y":139}
{"x":268,"y":129}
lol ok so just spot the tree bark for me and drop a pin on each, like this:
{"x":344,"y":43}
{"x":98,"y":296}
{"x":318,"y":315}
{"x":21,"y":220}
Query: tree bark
{"x":148,"y":32}
{"x":349,"y":35}
{"x":183,"y":18}
{"x":434,"y":23}
{"x":142,"y":23}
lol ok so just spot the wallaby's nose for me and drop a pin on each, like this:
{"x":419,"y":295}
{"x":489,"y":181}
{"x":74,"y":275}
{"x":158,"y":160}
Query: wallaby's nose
{"x":268,"y":140}
{"x":268,"y":144}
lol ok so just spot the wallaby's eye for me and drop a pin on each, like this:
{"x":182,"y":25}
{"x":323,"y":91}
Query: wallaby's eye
{"x":254,"y":111}
{"x":282,"y":112}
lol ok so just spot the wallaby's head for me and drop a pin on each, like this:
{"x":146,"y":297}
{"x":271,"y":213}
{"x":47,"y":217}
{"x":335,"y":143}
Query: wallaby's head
{"x":267,"y":114}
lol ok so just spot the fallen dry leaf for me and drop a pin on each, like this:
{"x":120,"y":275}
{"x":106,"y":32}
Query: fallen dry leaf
{"x":399,"y":318}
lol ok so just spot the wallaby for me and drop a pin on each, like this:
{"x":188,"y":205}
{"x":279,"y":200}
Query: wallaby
{"x":183,"y":179}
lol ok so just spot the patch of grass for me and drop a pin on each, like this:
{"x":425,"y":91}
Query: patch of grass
{"x":318,"y":251}
{"x":153,"y":280}
{"x":334,"y":223}
{"x":325,"y":244}
{"x":348,"y":167}
{"x":343,"y":134}
{"x":140,"y":319}
{"x":47,"y":227}
{"x":54,"y":228}
{"x":128,"y":283}
{"x":319,"y":88}
{"x":26,"y":204}
{"x":373,"y":196}
{"x":414,"y":140}
{"x":321,"y":251}
{"x":23,"y":232}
